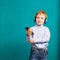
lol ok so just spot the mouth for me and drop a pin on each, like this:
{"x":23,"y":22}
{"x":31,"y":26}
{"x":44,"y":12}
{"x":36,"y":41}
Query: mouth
{"x":39,"y":21}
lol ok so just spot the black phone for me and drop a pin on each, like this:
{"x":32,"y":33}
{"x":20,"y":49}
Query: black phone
{"x":27,"y":28}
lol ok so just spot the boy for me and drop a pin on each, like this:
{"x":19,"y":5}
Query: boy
{"x":38,"y":36}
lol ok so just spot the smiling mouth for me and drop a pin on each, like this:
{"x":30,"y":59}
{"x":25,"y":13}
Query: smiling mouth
{"x":39,"y":22}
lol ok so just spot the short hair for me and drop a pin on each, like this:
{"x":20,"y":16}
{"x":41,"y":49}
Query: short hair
{"x":41,"y":11}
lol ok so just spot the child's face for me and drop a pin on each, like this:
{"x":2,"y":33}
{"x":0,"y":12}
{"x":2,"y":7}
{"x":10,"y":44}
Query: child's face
{"x":40,"y":18}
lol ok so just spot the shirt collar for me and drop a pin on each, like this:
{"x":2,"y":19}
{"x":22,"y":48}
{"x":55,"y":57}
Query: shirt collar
{"x":39,"y":26}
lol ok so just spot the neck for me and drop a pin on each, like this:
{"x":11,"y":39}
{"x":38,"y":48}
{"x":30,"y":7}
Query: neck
{"x":39,"y":25}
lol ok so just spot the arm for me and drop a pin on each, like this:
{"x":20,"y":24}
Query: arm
{"x":46,"y":36}
{"x":30,"y":39}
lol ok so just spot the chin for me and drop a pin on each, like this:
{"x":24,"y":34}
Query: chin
{"x":39,"y":24}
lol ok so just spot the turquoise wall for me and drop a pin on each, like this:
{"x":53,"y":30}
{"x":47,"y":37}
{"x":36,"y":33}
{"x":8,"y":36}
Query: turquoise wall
{"x":59,"y":31}
{"x":15,"y":15}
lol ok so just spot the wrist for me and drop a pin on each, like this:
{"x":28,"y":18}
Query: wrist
{"x":31,"y":41}
{"x":28,"y":35}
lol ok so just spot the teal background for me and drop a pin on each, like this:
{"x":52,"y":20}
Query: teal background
{"x":15,"y":15}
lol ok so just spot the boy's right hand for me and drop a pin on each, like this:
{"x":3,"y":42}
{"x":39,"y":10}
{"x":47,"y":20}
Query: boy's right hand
{"x":29,"y":32}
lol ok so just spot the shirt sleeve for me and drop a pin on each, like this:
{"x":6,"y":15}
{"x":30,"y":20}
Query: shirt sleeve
{"x":46,"y":36}
{"x":28,"y":38}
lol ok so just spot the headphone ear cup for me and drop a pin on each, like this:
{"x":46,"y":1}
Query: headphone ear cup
{"x":45,"y":21}
{"x":35,"y":19}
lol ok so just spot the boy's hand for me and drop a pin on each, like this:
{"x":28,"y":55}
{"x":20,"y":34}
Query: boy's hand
{"x":31,"y":41}
{"x":29,"y":32}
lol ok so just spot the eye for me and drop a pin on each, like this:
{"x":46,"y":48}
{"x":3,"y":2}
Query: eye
{"x":41,"y":18}
{"x":37,"y":17}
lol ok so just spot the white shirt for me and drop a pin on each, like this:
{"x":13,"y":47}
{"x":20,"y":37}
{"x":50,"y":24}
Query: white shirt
{"x":41,"y":34}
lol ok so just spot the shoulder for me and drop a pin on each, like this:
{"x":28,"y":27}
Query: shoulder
{"x":33,"y":27}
